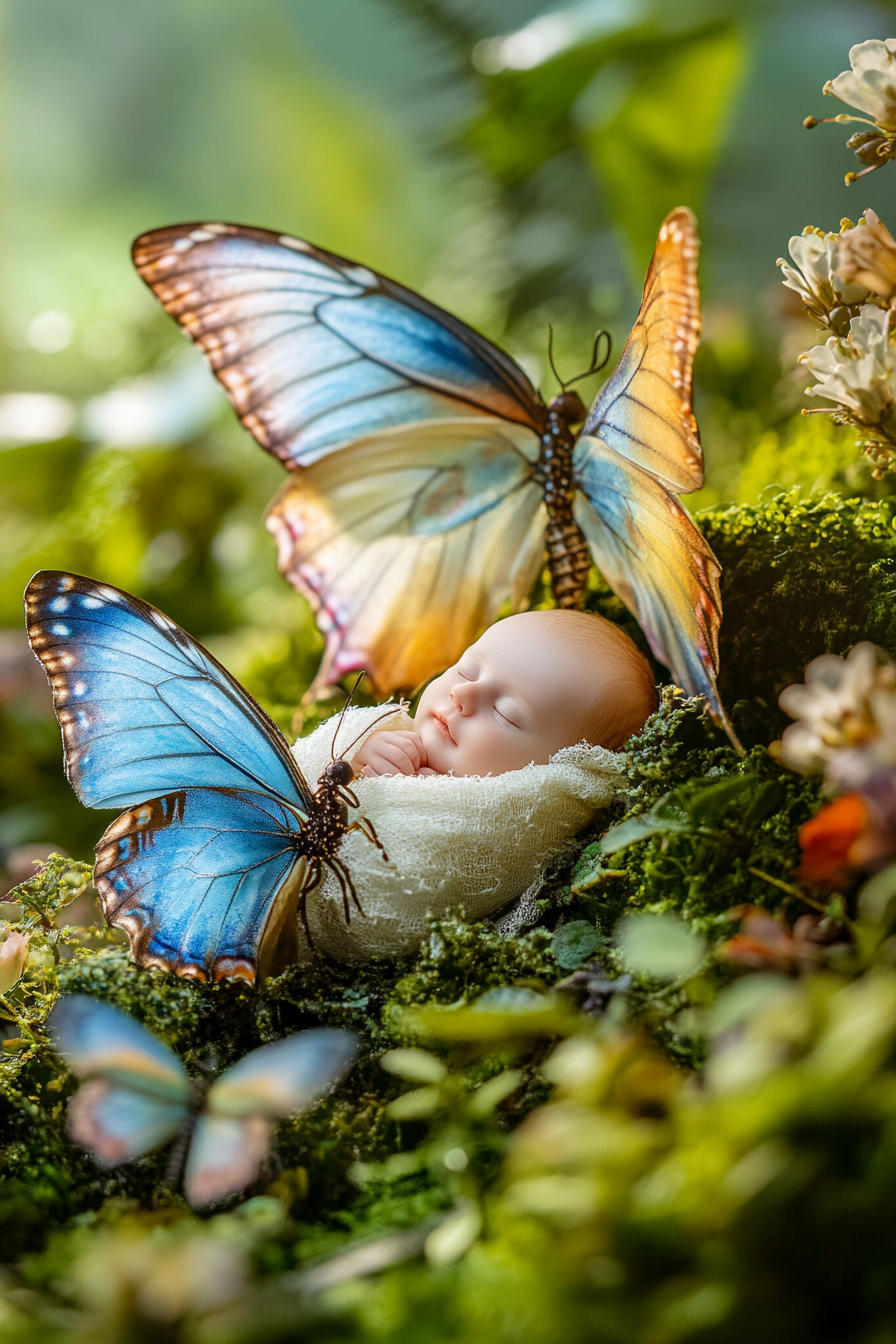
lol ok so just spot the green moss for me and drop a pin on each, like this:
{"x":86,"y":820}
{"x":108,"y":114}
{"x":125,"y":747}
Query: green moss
{"x":799,"y":578}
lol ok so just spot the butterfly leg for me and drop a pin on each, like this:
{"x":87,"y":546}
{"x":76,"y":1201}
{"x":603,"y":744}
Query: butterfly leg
{"x":344,"y":878}
{"x":312,"y":878}
{"x":368,"y":830}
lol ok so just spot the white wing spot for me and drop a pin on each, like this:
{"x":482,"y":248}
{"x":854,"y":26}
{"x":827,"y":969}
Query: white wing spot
{"x":361,"y":275}
{"x":163,"y":622}
{"x":60,"y":629}
{"x":91,"y":602}
{"x":79,"y":688}
{"x":59,"y":604}
{"x":295,"y":243}
{"x":182,"y":245}
{"x":109,"y":594}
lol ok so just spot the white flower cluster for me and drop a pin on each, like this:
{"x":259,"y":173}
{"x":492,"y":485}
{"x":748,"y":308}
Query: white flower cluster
{"x":845,"y":718}
{"x":847,"y":282}
{"x":870,"y":84}
{"x":859,"y":373}
{"x":816,"y":274}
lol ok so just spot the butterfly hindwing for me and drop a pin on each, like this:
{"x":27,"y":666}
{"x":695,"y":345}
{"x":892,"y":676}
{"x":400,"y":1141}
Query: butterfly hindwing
{"x":138,"y":1094}
{"x":232,"y":1137}
{"x":117,"y":1123}
{"x":643,"y":412}
{"x":144,"y":710}
{"x":407,"y":542}
{"x":315,"y":350}
{"x":203,"y":879}
{"x":653,"y":557}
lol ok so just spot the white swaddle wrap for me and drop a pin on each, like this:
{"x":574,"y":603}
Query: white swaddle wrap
{"x":471,"y":842}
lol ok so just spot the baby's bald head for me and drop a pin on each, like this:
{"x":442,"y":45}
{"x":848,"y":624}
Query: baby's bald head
{"x":614,"y":681}
{"x":531,"y":685}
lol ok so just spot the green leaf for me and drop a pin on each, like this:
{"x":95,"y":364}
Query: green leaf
{"x":659,"y":946}
{"x":416,"y":1105}
{"x":652,"y":124}
{"x":418,"y":1065}
{"x":575,"y":944}
{"x":665,"y":818}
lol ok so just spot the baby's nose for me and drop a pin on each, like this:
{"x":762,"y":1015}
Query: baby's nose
{"x":464,"y":696}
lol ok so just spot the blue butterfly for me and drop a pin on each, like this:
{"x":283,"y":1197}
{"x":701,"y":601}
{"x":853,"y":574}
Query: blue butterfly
{"x":140,"y":1097}
{"x":208,"y":866}
{"x":427,"y":476}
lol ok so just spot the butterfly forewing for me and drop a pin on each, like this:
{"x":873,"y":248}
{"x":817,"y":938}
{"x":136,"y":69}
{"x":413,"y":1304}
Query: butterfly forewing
{"x":143,"y":708}
{"x":98,"y":1040}
{"x":315,"y":350}
{"x":138,"y":1094}
{"x":288,"y":1075}
{"x":643,"y":412}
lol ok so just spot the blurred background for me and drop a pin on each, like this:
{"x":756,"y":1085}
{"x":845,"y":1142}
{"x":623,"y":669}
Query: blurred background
{"x":511,"y":162}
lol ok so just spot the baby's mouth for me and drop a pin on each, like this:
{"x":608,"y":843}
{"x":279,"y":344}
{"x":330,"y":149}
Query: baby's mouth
{"x":442,"y":725}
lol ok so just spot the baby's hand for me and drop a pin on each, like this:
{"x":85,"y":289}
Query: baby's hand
{"x":396,"y":753}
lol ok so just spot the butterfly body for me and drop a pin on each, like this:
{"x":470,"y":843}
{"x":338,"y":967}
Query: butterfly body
{"x":138,"y":1096}
{"x":427,"y":476}
{"x":326,"y":826}
{"x":568,"y":554}
{"x":221,"y":837}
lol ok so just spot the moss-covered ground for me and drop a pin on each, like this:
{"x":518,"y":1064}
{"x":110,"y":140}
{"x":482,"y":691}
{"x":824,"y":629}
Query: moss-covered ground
{"x":543,"y":1136}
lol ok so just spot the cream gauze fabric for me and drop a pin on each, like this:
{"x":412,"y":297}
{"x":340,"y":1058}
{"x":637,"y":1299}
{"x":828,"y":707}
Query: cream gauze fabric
{"x":472,"y":842}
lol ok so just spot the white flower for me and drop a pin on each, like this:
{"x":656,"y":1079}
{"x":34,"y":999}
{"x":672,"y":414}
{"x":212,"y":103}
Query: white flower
{"x":816,"y":277}
{"x":845,"y":709}
{"x":867,"y":255}
{"x":860,"y":372}
{"x":870,"y":85}
{"x":13,"y":960}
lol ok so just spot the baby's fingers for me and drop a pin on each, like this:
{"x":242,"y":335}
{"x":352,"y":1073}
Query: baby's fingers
{"x":394,"y":758}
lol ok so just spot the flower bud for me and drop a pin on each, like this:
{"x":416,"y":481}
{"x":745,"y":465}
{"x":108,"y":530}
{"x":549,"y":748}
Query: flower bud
{"x":867,"y":256}
{"x":13,"y":960}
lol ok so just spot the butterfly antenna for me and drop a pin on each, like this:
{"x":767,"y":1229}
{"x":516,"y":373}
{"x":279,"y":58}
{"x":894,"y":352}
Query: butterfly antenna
{"x":596,"y":365}
{"x":391,"y":710}
{"x":348,"y":700}
{"x":551,"y":355}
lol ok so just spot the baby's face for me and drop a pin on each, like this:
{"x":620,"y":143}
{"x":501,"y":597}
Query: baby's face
{"x":514,"y":697}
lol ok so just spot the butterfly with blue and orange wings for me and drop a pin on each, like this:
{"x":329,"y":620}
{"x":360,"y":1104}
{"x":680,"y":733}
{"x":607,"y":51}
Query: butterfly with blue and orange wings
{"x":139,"y":1096}
{"x":222,"y":837}
{"x":427,"y":475}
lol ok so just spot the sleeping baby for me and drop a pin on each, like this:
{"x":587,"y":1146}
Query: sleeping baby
{"x":510,"y":753}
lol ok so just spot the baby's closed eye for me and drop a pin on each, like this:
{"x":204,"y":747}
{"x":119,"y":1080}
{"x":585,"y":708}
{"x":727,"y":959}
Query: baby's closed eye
{"x":508,"y":712}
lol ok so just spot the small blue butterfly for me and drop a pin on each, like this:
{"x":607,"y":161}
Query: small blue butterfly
{"x":138,"y":1095}
{"x":207,"y":868}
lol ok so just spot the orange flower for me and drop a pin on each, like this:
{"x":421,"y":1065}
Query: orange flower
{"x":766,"y":944}
{"x":835,"y":841}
